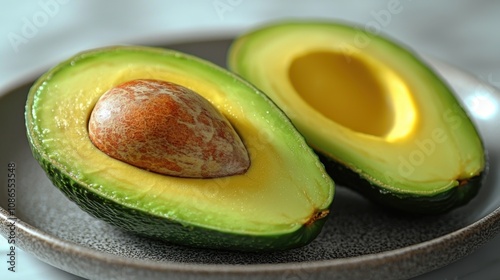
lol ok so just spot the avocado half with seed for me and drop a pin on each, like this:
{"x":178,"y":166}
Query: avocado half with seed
{"x":382,"y":121}
{"x":281,"y":201}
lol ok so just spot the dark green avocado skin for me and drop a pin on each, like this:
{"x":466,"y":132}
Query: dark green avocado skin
{"x":148,"y":225}
{"x":406,"y":203}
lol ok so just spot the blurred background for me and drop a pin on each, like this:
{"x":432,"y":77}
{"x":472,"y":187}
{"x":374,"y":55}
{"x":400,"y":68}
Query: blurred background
{"x":35,"y":35}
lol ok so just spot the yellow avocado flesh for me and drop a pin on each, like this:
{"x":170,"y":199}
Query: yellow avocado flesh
{"x":373,"y":108}
{"x":282,"y":190}
{"x":334,"y":84}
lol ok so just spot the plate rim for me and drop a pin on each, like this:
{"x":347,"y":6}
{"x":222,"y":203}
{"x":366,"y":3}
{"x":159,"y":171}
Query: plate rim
{"x":56,"y":244}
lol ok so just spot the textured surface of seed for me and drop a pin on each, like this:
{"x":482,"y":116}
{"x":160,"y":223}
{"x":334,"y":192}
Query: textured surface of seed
{"x":166,"y":128}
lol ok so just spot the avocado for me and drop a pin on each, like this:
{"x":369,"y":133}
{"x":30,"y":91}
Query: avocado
{"x":382,"y":121}
{"x":278,"y":199}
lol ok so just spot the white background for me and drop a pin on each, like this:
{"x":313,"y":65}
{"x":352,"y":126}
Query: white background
{"x":35,"y":35}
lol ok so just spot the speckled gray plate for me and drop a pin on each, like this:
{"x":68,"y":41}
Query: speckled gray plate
{"x":359,"y":241}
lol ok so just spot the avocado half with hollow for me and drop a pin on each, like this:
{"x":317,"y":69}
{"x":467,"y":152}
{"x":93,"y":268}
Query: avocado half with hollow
{"x":382,"y":121}
{"x":280,"y":201}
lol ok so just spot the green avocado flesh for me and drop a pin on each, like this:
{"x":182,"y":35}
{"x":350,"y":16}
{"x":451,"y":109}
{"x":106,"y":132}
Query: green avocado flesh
{"x":280,"y":202}
{"x":382,"y":121}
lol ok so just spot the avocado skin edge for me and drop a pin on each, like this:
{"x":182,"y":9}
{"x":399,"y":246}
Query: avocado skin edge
{"x":151,"y":226}
{"x":439,"y":203}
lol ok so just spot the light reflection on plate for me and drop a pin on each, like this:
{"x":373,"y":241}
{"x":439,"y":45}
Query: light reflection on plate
{"x":482,"y":104}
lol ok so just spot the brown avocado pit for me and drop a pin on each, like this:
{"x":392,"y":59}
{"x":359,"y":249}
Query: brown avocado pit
{"x":166,"y":128}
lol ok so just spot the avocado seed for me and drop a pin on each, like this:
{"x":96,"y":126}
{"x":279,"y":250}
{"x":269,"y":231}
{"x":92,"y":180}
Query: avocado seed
{"x":166,"y":128}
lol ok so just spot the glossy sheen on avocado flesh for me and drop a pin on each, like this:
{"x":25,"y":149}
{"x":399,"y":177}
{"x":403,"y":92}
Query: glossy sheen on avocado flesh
{"x":280,"y":202}
{"x":370,"y":108}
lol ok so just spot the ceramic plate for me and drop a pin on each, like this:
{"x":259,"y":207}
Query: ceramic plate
{"x":359,"y":241}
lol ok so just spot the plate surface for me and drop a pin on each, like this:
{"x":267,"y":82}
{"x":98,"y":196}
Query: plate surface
{"x":359,"y":240}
